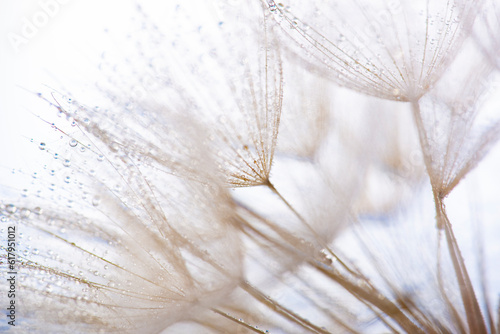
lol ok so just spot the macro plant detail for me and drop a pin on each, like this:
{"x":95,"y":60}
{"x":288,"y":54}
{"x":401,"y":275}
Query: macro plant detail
{"x":261,"y":167}
{"x":393,"y":50}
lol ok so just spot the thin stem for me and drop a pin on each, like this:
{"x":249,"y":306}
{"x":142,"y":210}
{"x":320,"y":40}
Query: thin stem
{"x":475,"y":318}
{"x":318,"y":237}
{"x":458,"y":321}
{"x":275,"y":306}
{"x":238,"y":321}
{"x":404,"y":303}
{"x":367,"y":294}
{"x":371,"y":296}
{"x":482,"y":273}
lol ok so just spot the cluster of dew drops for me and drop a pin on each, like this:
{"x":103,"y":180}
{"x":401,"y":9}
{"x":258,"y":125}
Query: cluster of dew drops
{"x":73,"y":144}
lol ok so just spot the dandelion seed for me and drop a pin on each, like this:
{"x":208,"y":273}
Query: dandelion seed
{"x":413,"y":55}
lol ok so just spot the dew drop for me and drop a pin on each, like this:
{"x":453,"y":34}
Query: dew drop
{"x":41,"y":146}
{"x":25,"y":213}
{"x":222,"y":119}
{"x":67,"y":163}
{"x":73,"y":142}
{"x":11,"y":208}
{"x":96,"y":201}
{"x":114,"y":146}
